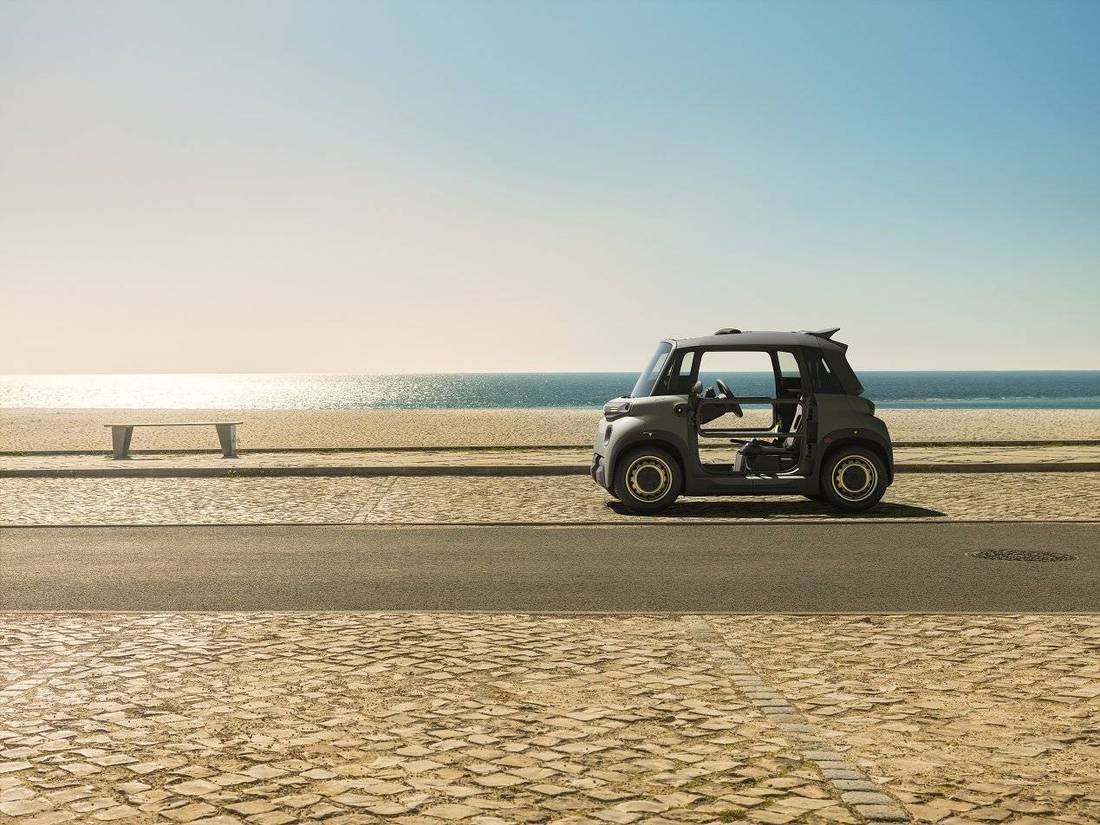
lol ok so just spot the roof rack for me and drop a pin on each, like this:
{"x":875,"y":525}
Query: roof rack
{"x":728,"y":331}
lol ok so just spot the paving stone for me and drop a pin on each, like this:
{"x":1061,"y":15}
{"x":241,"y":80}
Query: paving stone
{"x":451,"y":811}
{"x":49,"y":818}
{"x":189,"y":813}
{"x":618,"y":817}
{"x":251,"y":807}
{"x":115,"y":813}
{"x":989,"y":814}
{"x":498,"y":780}
{"x":882,"y":813}
{"x":388,"y":809}
{"x":273,"y":818}
{"x":194,"y":787}
{"x":771,"y":817}
{"x":854,"y":785}
{"x":866,"y":798}
{"x":22,"y":807}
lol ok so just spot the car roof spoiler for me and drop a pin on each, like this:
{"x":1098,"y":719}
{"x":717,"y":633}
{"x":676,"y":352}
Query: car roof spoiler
{"x":827,"y":334}
{"x":822,"y":333}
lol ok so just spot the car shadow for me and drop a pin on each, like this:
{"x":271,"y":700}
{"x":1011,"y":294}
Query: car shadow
{"x":777,"y":509}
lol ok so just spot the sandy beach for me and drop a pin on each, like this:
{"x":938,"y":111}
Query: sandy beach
{"x":82,"y":429}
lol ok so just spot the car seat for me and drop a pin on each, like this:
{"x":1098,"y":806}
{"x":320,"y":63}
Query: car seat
{"x":757,"y":455}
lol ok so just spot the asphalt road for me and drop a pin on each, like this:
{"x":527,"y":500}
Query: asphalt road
{"x":735,"y":568}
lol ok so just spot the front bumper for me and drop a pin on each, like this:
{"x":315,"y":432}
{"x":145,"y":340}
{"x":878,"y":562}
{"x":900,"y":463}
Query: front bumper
{"x":598,"y":471}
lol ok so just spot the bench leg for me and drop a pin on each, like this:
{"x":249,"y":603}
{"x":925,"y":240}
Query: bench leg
{"x":120,"y":441}
{"x":227,"y":435}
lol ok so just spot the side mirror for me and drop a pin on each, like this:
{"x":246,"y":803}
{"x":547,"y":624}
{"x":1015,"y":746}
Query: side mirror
{"x":696,"y":391}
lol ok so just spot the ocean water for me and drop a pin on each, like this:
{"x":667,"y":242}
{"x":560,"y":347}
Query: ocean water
{"x":930,"y":390}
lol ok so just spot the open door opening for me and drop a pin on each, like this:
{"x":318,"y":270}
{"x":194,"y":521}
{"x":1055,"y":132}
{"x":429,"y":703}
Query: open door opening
{"x":751,"y":414}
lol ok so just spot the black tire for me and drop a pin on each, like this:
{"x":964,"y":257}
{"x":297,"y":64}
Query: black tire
{"x":647,"y":479}
{"x":853,"y":479}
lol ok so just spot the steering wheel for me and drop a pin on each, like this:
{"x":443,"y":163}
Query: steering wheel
{"x":723,"y":387}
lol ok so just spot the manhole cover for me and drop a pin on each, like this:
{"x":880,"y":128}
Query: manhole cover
{"x":1021,"y":555}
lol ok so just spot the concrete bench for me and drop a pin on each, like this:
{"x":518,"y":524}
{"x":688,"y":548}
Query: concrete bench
{"x":122,"y":433}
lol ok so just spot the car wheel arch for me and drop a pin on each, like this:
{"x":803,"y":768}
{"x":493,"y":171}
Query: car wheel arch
{"x":668,"y":446}
{"x":848,"y":441}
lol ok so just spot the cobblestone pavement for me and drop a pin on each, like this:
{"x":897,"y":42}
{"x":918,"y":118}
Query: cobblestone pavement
{"x":1077,"y":454}
{"x":429,"y":718}
{"x":563,"y":499}
{"x":1000,"y":714}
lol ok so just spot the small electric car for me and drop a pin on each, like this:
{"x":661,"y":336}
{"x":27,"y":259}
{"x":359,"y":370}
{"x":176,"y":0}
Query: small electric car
{"x":809,"y":431}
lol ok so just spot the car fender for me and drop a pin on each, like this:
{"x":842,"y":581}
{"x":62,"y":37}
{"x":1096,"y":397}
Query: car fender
{"x":629,"y":433}
{"x":849,"y":436}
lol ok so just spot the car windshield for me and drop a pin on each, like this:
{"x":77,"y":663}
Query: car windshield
{"x":648,"y":379}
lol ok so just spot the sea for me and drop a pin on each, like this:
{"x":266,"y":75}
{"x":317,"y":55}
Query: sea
{"x":913,"y":390}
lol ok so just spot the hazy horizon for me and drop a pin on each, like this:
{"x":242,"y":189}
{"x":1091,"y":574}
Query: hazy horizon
{"x":621,"y":371}
{"x":393,"y":188}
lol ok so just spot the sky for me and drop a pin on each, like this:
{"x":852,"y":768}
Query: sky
{"x":461,"y":186}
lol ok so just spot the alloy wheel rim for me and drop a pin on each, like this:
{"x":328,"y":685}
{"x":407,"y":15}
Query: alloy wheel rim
{"x":854,"y":478}
{"x":648,"y":478}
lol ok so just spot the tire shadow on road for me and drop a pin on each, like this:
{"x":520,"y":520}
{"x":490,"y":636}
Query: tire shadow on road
{"x":810,"y":510}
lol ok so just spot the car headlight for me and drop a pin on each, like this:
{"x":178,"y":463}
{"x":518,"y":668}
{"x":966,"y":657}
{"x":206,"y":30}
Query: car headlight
{"x":616,"y":409}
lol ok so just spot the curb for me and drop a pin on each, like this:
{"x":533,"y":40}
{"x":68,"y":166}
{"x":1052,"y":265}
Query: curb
{"x":306,"y":472}
{"x":494,"y":470}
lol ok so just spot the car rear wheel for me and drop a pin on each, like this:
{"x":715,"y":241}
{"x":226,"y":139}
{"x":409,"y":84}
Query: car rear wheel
{"x":853,"y":479}
{"x":647,"y":480}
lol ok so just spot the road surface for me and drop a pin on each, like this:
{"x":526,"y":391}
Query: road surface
{"x":735,"y":568}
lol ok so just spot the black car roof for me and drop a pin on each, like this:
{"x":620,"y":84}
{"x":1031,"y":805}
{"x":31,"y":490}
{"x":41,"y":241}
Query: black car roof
{"x":815,"y":340}
{"x":832,"y":351}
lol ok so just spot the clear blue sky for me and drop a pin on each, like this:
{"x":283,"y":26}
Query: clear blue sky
{"x":432,"y":186}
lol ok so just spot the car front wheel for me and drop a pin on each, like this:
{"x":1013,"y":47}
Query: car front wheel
{"x":647,"y":480}
{"x":853,"y":479}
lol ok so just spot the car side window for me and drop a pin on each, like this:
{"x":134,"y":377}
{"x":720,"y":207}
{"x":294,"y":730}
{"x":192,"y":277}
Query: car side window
{"x":823,"y":378}
{"x":790,"y":375}
{"x":788,"y":364}
{"x":678,"y":381}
